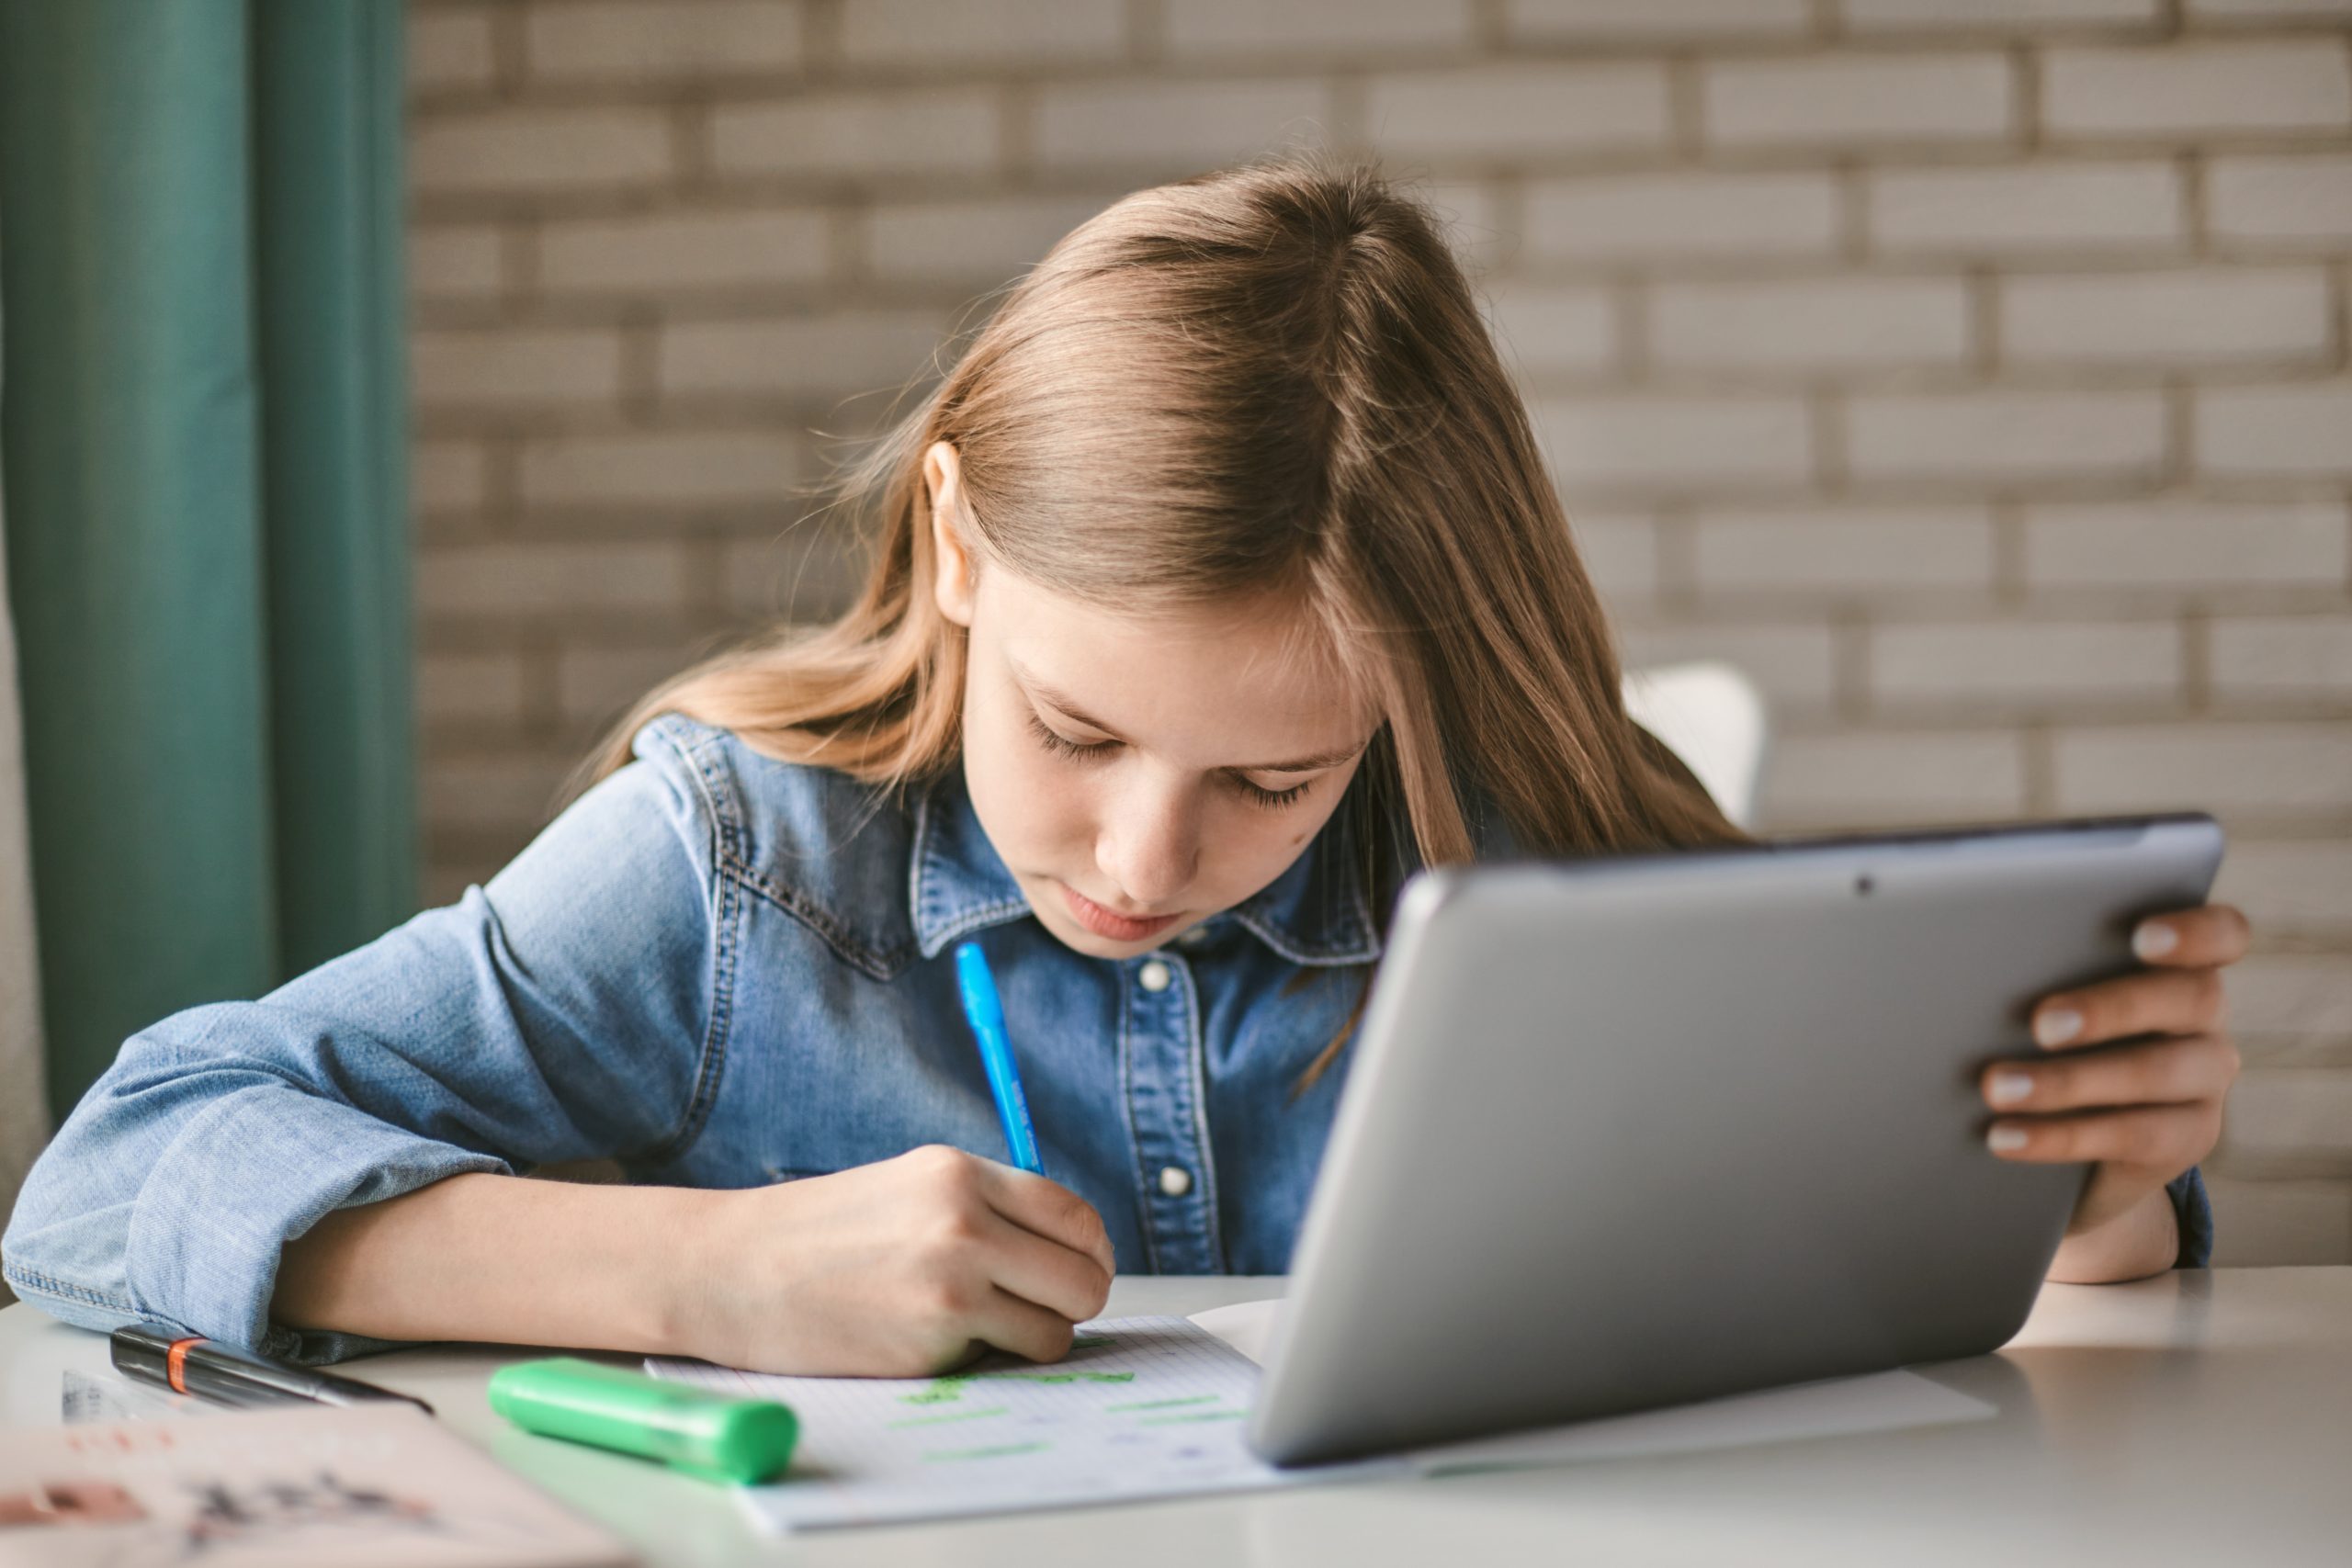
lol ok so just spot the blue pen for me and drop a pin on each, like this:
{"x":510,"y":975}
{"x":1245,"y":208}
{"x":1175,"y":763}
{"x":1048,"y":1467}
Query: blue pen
{"x":987,"y":1013}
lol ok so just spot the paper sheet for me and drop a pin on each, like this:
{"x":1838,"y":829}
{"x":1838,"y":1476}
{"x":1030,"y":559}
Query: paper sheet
{"x":1155,"y":1407}
{"x":1141,"y":1407}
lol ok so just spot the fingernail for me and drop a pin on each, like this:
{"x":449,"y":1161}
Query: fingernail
{"x":2008,"y":1087}
{"x":2003,"y":1140}
{"x":2057,"y":1026}
{"x":2154,"y":939}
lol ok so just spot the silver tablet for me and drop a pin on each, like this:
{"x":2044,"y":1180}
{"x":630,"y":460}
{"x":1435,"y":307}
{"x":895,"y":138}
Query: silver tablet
{"x":1634,"y":1131}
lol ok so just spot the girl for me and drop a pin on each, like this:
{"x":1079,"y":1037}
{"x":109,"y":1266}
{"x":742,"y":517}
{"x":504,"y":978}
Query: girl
{"x":1218,"y":585}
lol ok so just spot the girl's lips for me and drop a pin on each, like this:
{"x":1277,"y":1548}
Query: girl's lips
{"x":1103,"y":922}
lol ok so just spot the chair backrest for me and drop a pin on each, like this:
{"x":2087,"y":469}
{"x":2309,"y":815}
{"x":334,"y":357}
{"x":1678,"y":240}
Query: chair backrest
{"x":1714,"y":718}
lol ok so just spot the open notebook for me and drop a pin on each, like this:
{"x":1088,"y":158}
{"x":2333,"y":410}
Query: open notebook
{"x":1156,"y":1407}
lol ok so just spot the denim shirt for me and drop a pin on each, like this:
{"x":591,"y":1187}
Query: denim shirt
{"x":719,"y":970}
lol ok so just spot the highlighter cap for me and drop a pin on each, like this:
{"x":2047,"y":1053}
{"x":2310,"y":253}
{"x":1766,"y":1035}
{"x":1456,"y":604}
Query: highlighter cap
{"x":694,"y":1429}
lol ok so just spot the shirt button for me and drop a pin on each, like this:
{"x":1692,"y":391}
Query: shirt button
{"x":1194,"y":937}
{"x":1155,"y":977}
{"x":1175,"y":1180}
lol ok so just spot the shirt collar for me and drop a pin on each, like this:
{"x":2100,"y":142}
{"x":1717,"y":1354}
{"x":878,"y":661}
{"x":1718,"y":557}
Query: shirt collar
{"x":1315,"y":912}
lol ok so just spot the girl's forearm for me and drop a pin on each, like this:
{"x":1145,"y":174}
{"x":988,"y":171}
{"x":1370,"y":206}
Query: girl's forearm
{"x":501,"y":1258}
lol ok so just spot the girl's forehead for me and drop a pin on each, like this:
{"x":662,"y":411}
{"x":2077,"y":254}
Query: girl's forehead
{"x":1257,"y":668}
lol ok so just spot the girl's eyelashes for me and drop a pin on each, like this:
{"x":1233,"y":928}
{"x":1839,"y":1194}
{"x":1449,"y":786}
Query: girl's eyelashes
{"x":1064,"y":745}
{"x":1259,"y":794}
{"x":1100,"y":750}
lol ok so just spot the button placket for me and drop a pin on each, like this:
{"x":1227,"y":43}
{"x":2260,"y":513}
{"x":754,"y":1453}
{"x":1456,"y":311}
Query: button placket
{"x":1165,"y":1112}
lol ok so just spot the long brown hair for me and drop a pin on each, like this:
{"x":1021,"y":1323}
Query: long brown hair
{"x":1271,"y":377}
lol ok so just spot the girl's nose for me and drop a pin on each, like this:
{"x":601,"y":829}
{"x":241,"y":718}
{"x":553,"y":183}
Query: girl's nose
{"x":1150,"y":851}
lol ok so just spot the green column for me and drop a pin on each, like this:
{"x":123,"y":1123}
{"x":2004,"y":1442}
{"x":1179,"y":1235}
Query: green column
{"x":129,"y":436}
{"x":327,"y":125}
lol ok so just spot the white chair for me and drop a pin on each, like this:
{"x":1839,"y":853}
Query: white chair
{"x":1714,"y":718}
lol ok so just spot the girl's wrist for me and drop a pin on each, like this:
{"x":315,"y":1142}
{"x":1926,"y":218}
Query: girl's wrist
{"x":684,"y":1252}
{"x":2142,"y":1240}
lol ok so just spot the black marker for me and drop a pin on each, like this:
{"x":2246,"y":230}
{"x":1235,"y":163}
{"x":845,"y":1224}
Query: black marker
{"x":224,"y":1375}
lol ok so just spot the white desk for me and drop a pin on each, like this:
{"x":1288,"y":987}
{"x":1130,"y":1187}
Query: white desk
{"x":2199,"y":1417}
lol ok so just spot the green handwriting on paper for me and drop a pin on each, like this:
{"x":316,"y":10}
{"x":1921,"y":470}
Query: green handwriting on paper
{"x":948,"y":1415}
{"x":1165,"y":1404}
{"x":949,"y":1389}
{"x":1091,"y":1342}
{"x":943,"y":1391}
{"x":1199,"y":1415}
{"x":996,"y":1450}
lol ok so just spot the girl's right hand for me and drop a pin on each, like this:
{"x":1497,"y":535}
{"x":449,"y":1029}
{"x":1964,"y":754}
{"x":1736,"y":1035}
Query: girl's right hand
{"x":905,"y":1267}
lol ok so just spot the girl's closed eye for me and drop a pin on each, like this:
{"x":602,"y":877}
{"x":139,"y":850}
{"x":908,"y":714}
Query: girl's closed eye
{"x":1062,"y":745}
{"x":1100,"y":750}
{"x":1259,"y":794}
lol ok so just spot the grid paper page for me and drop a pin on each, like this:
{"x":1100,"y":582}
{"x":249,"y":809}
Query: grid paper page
{"x":1141,"y":1407}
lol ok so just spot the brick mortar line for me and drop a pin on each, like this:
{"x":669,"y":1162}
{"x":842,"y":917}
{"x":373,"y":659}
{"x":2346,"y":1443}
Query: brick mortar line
{"x":752,"y":189}
{"x":1143,"y":54}
{"x":1759,"y":274}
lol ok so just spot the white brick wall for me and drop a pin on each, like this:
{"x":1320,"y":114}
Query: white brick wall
{"x":1809,"y":325}
{"x":676,"y":251}
{"x":2274,"y":201}
{"x":505,"y":366}
{"x":832,"y":136}
{"x":1850,"y":557}
{"x":2285,"y":657}
{"x":1250,"y":28}
{"x":646,"y":469}
{"x":1675,"y":443}
{"x":1618,"y":219}
{"x":1868,"y":98}
{"x":1148,"y":126}
{"x":1553,"y":328}
{"x":2263,"y":772}
{"x":540,"y":150}
{"x":890,"y":34}
{"x":1993,"y":437}
{"x":975,"y":242}
{"x":1877,"y":777}
{"x":1973,"y":372}
{"x":2175,"y":92}
{"x":2023,"y":664}
{"x":2186,"y":544}
{"x":1960,"y":16}
{"x":634,"y":41}
{"x":2290,"y":431}
{"x":1654,"y":21}
{"x":2082,"y":207}
{"x":833,"y":355}
{"x":2169,"y":318}
{"x":1519,"y":107}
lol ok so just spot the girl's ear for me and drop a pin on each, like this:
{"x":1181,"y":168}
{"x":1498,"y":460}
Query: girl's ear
{"x":956,"y":578}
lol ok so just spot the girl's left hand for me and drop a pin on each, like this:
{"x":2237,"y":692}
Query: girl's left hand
{"x":2146,"y":1112}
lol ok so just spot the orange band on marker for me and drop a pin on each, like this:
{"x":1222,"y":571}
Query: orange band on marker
{"x":175,"y":1360}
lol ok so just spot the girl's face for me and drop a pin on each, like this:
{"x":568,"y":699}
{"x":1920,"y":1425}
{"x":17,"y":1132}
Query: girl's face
{"x":1137,"y":775}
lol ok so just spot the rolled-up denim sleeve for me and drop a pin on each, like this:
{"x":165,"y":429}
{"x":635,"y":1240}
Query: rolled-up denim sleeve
{"x":561,"y":1011}
{"x":2194,"y":1210}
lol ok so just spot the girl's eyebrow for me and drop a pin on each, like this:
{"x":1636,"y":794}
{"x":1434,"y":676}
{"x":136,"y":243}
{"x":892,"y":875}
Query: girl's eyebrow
{"x":1061,"y":704}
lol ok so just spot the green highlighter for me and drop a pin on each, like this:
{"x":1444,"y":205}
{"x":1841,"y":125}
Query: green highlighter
{"x":689,"y":1429}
